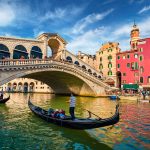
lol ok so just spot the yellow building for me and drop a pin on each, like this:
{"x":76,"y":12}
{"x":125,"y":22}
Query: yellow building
{"x":106,"y":61}
{"x":89,"y":59}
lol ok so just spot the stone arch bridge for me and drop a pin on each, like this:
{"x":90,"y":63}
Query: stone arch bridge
{"x":63,"y":71}
{"x":62,"y":77}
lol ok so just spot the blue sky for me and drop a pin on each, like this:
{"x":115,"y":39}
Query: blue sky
{"x":84,"y":24}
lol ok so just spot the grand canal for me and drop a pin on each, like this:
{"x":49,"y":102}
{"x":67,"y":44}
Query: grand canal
{"x":22,"y":130}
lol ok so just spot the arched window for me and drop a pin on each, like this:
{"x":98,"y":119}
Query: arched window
{"x":110,"y":73}
{"x":110,"y":65}
{"x":95,"y":74}
{"x":14,"y":86}
{"x":100,"y":66}
{"x":25,"y":89}
{"x":76,"y":63}
{"x":89,"y":70}
{"x":36,"y":52}
{"x":20,"y":52}
{"x":20,"y":85}
{"x":109,"y":57}
{"x":4,"y":51}
{"x":141,"y":58}
{"x":141,"y":80}
{"x":69,"y":59}
{"x":99,"y":77}
{"x":84,"y":67}
{"x":141,"y":69}
{"x":31,"y":87}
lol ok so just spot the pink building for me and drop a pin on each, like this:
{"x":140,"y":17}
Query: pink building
{"x":133,"y":65}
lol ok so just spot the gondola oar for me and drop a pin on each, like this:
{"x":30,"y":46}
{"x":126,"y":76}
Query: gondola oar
{"x":93,"y":114}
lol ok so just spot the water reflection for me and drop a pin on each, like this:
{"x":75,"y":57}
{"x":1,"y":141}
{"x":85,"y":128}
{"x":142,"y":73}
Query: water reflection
{"x":19,"y":125}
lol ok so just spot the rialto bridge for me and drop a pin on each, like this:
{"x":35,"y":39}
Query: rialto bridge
{"x":63,"y":71}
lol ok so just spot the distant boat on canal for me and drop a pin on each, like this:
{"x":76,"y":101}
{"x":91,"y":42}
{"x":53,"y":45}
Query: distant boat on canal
{"x":4,"y":100}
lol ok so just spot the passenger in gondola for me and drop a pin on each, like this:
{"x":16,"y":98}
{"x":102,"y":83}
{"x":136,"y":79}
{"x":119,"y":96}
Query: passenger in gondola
{"x":61,"y":114}
{"x":72,"y":106}
{"x":50,"y":111}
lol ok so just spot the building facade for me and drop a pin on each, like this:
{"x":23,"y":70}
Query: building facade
{"x":133,"y":65}
{"x":26,"y":85}
{"x":89,"y":59}
{"x":106,"y":61}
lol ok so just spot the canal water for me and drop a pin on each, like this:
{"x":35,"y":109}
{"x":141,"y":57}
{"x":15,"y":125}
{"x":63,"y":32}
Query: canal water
{"x":20,"y":129}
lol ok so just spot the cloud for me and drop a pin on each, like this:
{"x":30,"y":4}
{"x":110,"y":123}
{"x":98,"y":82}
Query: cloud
{"x":7,"y":15}
{"x":123,"y":30}
{"x":88,"y":42}
{"x":136,"y":1}
{"x":144,"y":27}
{"x":92,"y":18}
{"x":61,"y":13}
{"x":91,"y":40}
{"x":144,"y":9}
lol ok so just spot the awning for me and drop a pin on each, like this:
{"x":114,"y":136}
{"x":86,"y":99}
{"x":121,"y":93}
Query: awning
{"x":131,"y":86}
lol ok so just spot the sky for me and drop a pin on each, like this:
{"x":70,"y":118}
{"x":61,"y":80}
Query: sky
{"x":84,"y":24}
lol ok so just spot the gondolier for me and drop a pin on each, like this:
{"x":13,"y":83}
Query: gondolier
{"x":72,"y":106}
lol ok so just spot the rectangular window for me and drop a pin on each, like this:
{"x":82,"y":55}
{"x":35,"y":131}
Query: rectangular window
{"x":141,"y":58}
{"x":128,"y":65}
{"x":118,"y":65}
{"x":128,"y":56}
{"x":141,"y":80}
{"x":136,"y":74}
{"x":136,"y":56}
{"x":124,"y":74}
{"x":124,"y":81}
{"x":136,"y":65}
{"x":132,"y":65}
{"x":141,"y":49}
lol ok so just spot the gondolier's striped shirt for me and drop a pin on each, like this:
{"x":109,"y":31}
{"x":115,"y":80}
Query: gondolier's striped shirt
{"x":72,"y":101}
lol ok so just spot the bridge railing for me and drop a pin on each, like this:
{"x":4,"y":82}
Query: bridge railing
{"x":41,"y":63}
{"x":25,"y":62}
{"x":16,"y":62}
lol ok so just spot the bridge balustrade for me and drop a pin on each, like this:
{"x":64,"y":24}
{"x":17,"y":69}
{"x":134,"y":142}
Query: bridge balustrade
{"x":25,"y":62}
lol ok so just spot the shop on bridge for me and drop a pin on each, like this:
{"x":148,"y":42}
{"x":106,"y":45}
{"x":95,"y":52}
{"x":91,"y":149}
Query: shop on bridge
{"x":4,"y":52}
{"x":36,"y":52}
{"x":20,"y":52}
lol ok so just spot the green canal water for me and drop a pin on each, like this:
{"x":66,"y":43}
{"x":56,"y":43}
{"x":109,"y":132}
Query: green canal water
{"x":20,"y":129}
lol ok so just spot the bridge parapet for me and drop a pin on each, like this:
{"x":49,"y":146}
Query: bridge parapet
{"x":74,"y":58}
{"x":28,"y":64}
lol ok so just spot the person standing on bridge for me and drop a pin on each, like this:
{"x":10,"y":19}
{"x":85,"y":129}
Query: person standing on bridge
{"x":72,"y":106}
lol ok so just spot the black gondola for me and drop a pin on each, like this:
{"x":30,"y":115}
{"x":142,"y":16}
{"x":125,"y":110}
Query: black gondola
{"x":78,"y":123}
{"x":4,"y":100}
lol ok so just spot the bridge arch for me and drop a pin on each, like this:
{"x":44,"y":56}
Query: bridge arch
{"x":20,"y":52}
{"x":63,"y":82}
{"x":57,"y":44}
{"x":36,"y":52}
{"x":25,"y":87}
{"x":4,"y":51}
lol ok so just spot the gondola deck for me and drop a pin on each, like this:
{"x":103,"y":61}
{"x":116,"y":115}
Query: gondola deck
{"x":78,"y":123}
